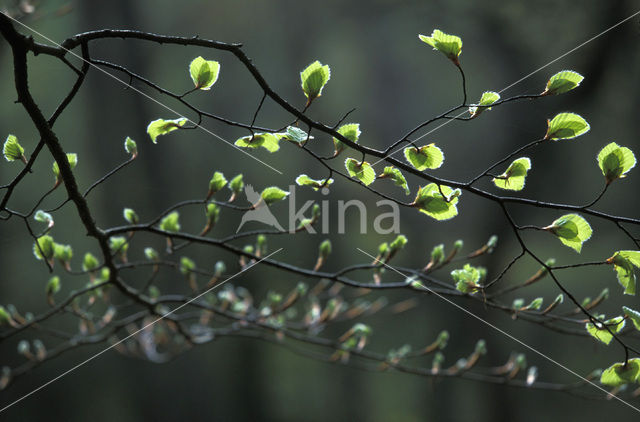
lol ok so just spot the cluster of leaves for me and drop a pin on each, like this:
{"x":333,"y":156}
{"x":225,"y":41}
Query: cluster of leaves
{"x":310,"y":310}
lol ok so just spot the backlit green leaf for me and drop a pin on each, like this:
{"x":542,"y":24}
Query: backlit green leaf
{"x":236,"y":184}
{"x":619,"y":374}
{"x":295,"y":134}
{"x":325,"y":249}
{"x":351,"y":131}
{"x":273,"y":194}
{"x":397,"y":177}
{"x":43,"y":247}
{"x":62,"y":253}
{"x":437,"y":254}
{"x":217,"y":182}
{"x":118,"y":244}
{"x":43,"y":217}
{"x":467,"y":278}
{"x":535,"y":303}
{"x":361,"y":171}
{"x":487,"y":99}
{"x":633,"y":315}
{"x":430,"y":200}
{"x":449,"y":45}
{"x":162,"y":127}
{"x":304,"y":180}
{"x":73,"y":161}
{"x":398,"y":243}
{"x":572,"y":230}
{"x":267,"y":140}
{"x":131,"y":147}
{"x":426,"y":157}
{"x":600,"y":332}
{"x":130,"y":216}
{"x":566,"y":126}
{"x":89,"y":262}
{"x":313,"y":79}
{"x":187,"y":265}
{"x":12,"y":149}
{"x":514,"y":177}
{"x":151,"y":254}
{"x":615,"y":161}
{"x":170,"y":222}
{"x":204,"y":73}
{"x":212,"y":212}
{"x":53,"y":285}
{"x":623,"y":263}
{"x":562,"y":82}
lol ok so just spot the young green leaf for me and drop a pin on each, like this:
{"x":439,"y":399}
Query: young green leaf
{"x":53,"y":285}
{"x":426,"y":157}
{"x":43,"y":217}
{"x":600,"y":332}
{"x":398,"y":243}
{"x":5,"y":316}
{"x":273,"y":194}
{"x":295,"y":134}
{"x":12,"y":150}
{"x":212,"y":212}
{"x":72,"y":158}
{"x":566,"y":126}
{"x":467,"y":278}
{"x":186,"y":265}
{"x":204,"y":73}
{"x":313,"y":80}
{"x":170,"y":222}
{"x":615,"y":161}
{"x":43,"y":247}
{"x":623,"y":263}
{"x":267,"y":140}
{"x":449,"y":45}
{"x":130,"y":216}
{"x":151,"y":254}
{"x":362,"y":171}
{"x":633,"y":315}
{"x":131,"y":147}
{"x":90,"y":262}
{"x":437,"y":255}
{"x":535,"y":303}
{"x":118,"y":245}
{"x":517,"y":304}
{"x":217,"y":182}
{"x":162,"y":127}
{"x":397,"y":177}
{"x":437,"y":202}
{"x":572,"y":230}
{"x":621,"y":373}
{"x":514,"y":177}
{"x":324,"y":249}
{"x":62,"y":253}
{"x":236,"y":184}
{"x":304,"y":180}
{"x":562,"y":82}
{"x":487,"y":99}
{"x":351,"y":131}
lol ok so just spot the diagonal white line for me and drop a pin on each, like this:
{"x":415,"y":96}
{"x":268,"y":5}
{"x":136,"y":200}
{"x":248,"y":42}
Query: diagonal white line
{"x":142,"y":93}
{"x":523,"y":78}
{"x":136,"y":332}
{"x":508,"y":335}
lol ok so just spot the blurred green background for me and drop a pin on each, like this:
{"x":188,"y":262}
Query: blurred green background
{"x":394,"y":81}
